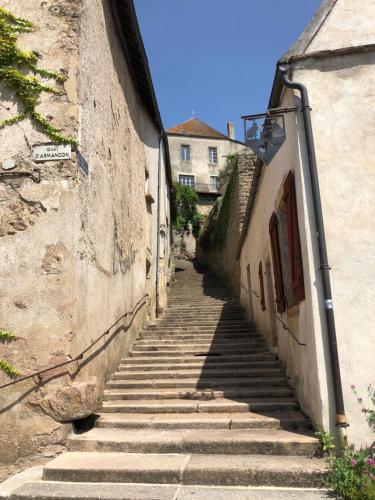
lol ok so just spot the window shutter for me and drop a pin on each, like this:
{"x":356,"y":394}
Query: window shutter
{"x":261,"y":283}
{"x":277,"y":267}
{"x":294,"y":243}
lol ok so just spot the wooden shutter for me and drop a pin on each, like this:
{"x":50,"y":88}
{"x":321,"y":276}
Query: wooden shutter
{"x":294,"y":243}
{"x":261,"y":283}
{"x":277,"y":267}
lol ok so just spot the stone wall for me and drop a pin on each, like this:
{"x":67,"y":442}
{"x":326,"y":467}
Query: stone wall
{"x":218,"y":245}
{"x":75,"y":246}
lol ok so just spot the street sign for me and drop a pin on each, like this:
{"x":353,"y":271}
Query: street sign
{"x":52,"y":152}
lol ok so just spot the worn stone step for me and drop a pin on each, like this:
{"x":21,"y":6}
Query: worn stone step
{"x":199,"y":338}
{"x":198,"y":374}
{"x":207,"y":441}
{"x":197,"y":383}
{"x":285,"y":420}
{"x":197,"y":394}
{"x":206,"y":363}
{"x":196,"y":406}
{"x":207,"y":358}
{"x":186,"y":469}
{"x":199,"y":327}
{"x":46,"y":490}
{"x":166,"y":346}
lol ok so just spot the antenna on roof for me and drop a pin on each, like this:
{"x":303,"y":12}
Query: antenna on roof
{"x":193,"y":113}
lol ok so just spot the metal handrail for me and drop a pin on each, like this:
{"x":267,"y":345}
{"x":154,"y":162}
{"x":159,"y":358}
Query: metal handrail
{"x":80,"y":355}
{"x":285,"y":327}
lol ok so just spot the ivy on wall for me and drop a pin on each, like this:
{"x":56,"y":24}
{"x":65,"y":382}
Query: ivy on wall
{"x":14,"y":63}
{"x":6,"y":367}
{"x":214,"y":230}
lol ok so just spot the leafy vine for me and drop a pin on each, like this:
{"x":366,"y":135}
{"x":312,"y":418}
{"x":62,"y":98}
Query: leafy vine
{"x":27,"y":88}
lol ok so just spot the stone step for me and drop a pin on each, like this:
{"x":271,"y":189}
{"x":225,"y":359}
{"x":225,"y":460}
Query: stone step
{"x":198,"y":374}
{"x":203,"y":363}
{"x":201,"y":326}
{"x":207,"y":441}
{"x":230,"y":421}
{"x":197,"y":351}
{"x":165,"y":346}
{"x":196,"y":406}
{"x":197,"y":394}
{"x":197,"y":383}
{"x":199,"y":337}
{"x":186,"y":469}
{"x":46,"y":490}
{"x":224,"y":343}
{"x":172,"y":357}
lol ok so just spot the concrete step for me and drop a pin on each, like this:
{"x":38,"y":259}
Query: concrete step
{"x":196,"y":394}
{"x":230,"y":421}
{"x":194,"y":383}
{"x":198,"y":374}
{"x":221,"y":405}
{"x":207,"y":441}
{"x":186,"y":469}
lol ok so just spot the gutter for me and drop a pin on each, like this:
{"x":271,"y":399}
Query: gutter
{"x":324,"y":267}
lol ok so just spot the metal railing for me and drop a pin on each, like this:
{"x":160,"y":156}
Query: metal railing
{"x":285,"y":327}
{"x":79,"y":356}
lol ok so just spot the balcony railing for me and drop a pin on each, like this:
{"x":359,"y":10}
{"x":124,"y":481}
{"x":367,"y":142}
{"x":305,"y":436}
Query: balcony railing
{"x":205,"y":188}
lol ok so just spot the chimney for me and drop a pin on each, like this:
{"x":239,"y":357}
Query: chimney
{"x":230,"y":128}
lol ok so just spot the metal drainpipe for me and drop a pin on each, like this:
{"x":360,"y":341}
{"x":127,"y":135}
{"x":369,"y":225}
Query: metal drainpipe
{"x":158,"y":232}
{"x":341,"y":420}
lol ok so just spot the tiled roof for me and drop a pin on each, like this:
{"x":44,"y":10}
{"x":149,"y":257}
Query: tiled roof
{"x":195,"y":127}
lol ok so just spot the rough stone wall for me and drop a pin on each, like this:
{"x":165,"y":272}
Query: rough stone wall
{"x":74,"y":245}
{"x":222,"y":258}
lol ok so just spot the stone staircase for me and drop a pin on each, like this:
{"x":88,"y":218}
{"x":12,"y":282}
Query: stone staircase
{"x":200,"y":400}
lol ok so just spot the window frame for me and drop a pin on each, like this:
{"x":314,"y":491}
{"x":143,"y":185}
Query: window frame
{"x":184,"y":148}
{"x":214,"y":159}
{"x":192,"y":176}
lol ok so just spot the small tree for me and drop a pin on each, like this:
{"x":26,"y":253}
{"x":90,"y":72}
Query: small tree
{"x":186,"y":218}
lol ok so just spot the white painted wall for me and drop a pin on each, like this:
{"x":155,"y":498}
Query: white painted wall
{"x":342,"y":96}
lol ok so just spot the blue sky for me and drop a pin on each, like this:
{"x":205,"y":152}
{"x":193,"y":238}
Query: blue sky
{"x":217,"y":57}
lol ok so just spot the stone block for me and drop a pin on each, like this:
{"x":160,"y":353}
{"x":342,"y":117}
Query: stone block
{"x":72,"y":402}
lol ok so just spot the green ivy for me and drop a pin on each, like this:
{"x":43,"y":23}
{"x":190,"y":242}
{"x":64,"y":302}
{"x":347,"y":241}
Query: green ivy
{"x":214,"y":230}
{"x":5,"y":367}
{"x":27,"y":88}
{"x":186,"y":218}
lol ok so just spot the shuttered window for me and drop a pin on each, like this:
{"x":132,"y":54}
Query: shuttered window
{"x":294,"y":243}
{"x":277,"y":266}
{"x":261,"y":285}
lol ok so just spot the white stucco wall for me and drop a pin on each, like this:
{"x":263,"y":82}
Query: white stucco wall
{"x":341,"y":95}
{"x":350,"y":23}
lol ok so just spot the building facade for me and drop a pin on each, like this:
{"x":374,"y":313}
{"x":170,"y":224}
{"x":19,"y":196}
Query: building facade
{"x":280,"y":251}
{"x":198,"y":154}
{"x":85,"y":241}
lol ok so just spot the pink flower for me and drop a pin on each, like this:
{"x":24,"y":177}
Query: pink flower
{"x":352,"y":387}
{"x":370,"y":461}
{"x":359,"y":400}
{"x":353,"y":462}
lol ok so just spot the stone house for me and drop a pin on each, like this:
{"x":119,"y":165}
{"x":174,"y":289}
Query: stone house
{"x":198,"y":154}
{"x":313,"y":198}
{"x":85,"y":241}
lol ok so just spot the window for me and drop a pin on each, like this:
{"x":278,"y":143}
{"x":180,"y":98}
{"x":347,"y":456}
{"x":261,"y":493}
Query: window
{"x":277,"y":266}
{"x":212,"y":155}
{"x":294,"y":244}
{"x":214,"y":183}
{"x":261,"y":286}
{"x":286,"y":250}
{"x":187,"y":180}
{"x":185,"y":153}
